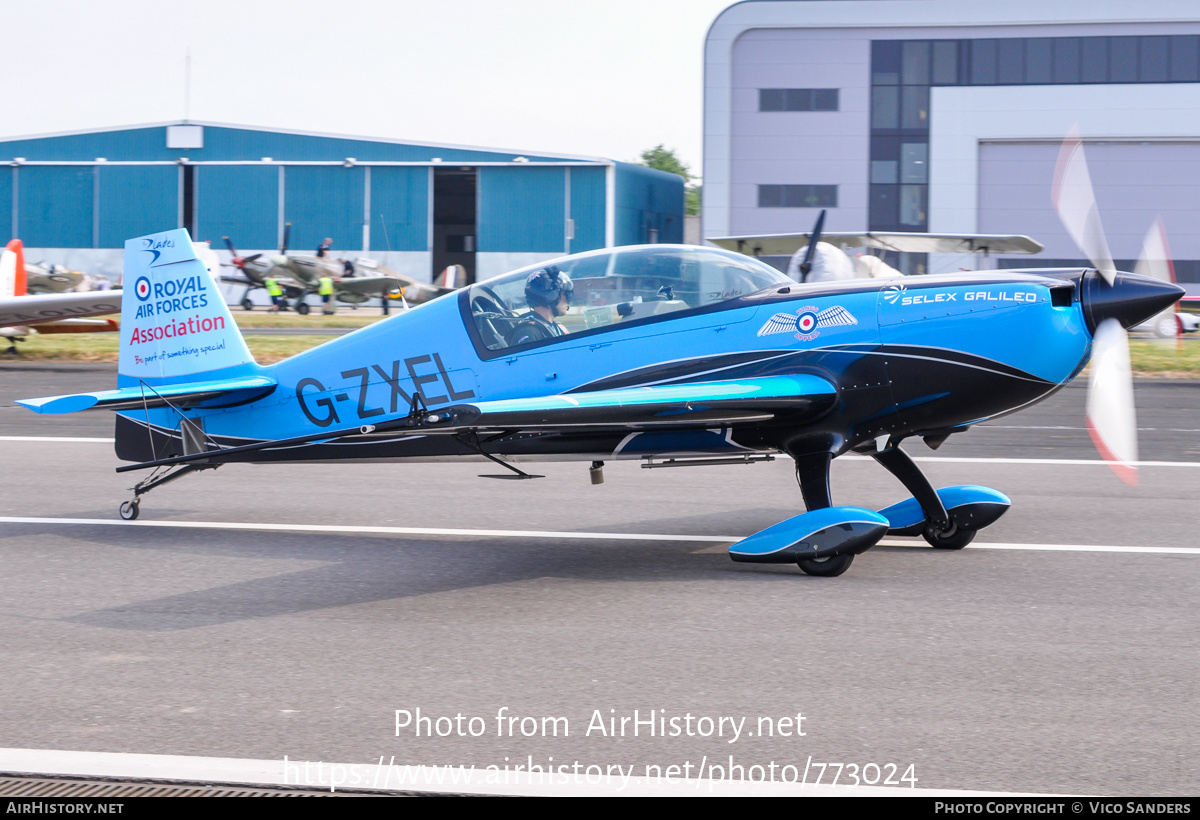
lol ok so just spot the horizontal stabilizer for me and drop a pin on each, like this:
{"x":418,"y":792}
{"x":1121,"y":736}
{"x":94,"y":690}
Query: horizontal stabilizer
{"x":138,"y":396}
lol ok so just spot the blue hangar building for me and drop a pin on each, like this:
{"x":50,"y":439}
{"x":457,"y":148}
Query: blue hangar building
{"x":75,"y":198}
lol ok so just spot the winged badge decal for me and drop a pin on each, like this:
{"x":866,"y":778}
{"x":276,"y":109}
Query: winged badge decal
{"x":806,"y":322}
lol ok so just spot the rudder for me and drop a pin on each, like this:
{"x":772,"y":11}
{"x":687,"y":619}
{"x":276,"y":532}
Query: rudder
{"x":175,"y":325}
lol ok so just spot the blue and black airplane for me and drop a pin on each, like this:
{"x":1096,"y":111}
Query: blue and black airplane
{"x":669,"y":354}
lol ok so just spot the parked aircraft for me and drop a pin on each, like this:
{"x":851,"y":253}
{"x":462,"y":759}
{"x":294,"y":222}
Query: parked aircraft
{"x":43,"y":278}
{"x":300,"y":275}
{"x":675,"y":356}
{"x":254,"y":275}
{"x":22,"y":313}
{"x":827,"y":260}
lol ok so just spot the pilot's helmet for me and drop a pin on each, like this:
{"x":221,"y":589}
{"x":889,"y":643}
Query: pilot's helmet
{"x":545,"y":286}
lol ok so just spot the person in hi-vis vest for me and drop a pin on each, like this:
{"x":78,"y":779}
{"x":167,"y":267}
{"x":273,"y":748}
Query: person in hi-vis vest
{"x":325,"y":288}
{"x":275,"y":292}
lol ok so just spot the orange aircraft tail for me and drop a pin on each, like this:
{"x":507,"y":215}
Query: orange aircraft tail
{"x":12,"y":270}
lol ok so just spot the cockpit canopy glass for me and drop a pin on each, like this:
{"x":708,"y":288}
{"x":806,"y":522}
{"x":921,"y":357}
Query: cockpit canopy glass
{"x":616,"y":286}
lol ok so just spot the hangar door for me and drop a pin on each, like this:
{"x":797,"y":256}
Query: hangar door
{"x":238,"y":201}
{"x":1135,"y":182}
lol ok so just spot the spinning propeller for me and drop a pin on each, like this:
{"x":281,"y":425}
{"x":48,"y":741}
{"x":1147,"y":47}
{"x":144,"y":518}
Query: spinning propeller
{"x":1112,"y":303}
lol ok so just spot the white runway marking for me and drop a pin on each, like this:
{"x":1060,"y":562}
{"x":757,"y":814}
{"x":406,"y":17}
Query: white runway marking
{"x":562,"y":536}
{"x":1067,"y":462}
{"x":59,"y":438}
{"x":387,"y":774}
{"x":333,"y":528}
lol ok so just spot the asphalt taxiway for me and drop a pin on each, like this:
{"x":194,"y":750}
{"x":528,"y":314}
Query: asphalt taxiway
{"x":262,"y":611}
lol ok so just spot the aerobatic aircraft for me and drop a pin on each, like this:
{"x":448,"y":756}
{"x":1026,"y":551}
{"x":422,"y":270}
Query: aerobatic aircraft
{"x":697,"y":355}
{"x":668,"y":354}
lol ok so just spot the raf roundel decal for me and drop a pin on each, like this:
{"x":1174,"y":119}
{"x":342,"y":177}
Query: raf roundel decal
{"x":142,"y":288}
{"x":806,"y":321}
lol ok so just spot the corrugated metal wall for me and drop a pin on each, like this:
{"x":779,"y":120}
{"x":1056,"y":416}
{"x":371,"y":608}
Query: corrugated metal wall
{"x":399,"y":209}
{"x":6,"y":212}
{"x":238,"y":201}
{"x":55,"y":206}
{"x":135,"y":200}
{"x":588,"y":191}
{"x":324,"y":201}
{"x":647,"y":200}
{"x":522,"y":206}
{"x":522,"y":209}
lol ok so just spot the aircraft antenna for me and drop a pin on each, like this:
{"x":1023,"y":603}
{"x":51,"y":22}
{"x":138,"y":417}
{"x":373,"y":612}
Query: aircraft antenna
{"x":386,"y":241}
{"x":187,"y":84}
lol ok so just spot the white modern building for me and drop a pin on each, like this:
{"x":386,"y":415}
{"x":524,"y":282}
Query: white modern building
{"x":947,"y":116}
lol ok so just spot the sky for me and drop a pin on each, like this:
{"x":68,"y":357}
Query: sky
{"x":607,"y":78}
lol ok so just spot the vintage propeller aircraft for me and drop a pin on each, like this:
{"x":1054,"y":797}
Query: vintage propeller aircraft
{"x":43,"y":278}
{"x":254,"y":274}
{"x":23,"y":312}
{"x":822,"y":256}
{"x":301,"y":275}
{"x":685,"y":354}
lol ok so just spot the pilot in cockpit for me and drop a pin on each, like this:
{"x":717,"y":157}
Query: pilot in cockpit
{"x":548,"y":293}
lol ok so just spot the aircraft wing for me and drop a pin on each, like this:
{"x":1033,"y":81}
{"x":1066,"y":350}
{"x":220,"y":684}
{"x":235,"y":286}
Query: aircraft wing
{"x":675,"y":405}
{"x":54,"y":307}
{"x":798,"y":398}
{"x":785,"y":244}
{"x":368,"y":285}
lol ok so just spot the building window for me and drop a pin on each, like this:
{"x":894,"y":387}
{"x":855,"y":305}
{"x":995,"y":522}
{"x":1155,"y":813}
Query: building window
{"x":797,"y":99}
{"x":797,"y":196}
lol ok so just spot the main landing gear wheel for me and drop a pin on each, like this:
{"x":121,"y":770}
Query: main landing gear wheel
{"x":302,"y":308}
{"x":826,"y":567}
{"x":954,"y":538}
{"x":129,"y":510}
{"x":247,"y":304}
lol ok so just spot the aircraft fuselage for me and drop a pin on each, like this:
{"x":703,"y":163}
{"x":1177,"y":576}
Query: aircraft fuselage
{"x":916,"y":356}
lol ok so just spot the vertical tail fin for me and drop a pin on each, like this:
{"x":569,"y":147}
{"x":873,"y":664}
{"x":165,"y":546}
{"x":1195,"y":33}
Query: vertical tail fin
{"x":12,"y":270}
{"x":175,"y":325}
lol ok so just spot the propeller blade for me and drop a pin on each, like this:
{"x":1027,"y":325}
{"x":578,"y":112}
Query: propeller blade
{"x":1111,"y":420}
{"x":1075,"y":202}
{"x":806,"y":265}
{"x":1155,"y":262}
{"x":251,"y":257}
{"x":287,"y":231}
{"x":229,"y":245}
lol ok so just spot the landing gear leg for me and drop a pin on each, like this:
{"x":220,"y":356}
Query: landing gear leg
{"x":129,"y":509}
{"x":940,"y":529}
{"x":812,"y":474}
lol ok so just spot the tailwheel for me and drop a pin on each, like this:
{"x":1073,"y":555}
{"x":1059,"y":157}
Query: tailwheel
{"x":129,"y":510}
{"x":952,"y":538}
{"x":830,"y":567}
